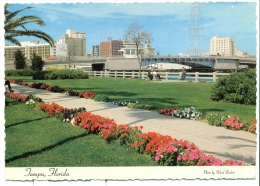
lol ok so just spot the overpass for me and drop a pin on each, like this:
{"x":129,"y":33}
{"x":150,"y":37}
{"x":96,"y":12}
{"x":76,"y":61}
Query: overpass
{"x":120,"y":63}
{"x":216,"y":62}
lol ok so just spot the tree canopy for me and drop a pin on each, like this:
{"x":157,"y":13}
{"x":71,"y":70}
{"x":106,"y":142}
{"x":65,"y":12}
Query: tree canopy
{"x":15,"y":26}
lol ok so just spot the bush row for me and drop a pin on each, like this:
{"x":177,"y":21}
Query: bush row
{"x":61,"y":74}
{"x":19,"y":72}
{"x":52,"y":74}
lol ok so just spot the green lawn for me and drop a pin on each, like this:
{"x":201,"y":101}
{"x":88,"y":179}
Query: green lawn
{"x":34,"y":139}
{"x":159,"y":95}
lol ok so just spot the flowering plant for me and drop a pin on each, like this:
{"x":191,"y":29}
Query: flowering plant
{"x":233,"y":123}
{"x":70,"y":92}
{"x":168,"y":111}
{"x":124,"y":103}
{"x":188,"y":113}
{"x":18,"y":96}
{"x":30,"y":102}
{"x":217,"y":119}
{"x":252,"y":127}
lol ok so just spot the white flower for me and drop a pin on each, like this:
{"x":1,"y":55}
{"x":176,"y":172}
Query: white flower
{"x":72,"y":121}
{"x":67,"y":119}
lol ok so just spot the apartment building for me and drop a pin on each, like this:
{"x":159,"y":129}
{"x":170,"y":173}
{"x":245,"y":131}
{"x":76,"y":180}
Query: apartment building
{"x":111,"y":48}
{"x":222,"y":46}
{"x":27,"y":48}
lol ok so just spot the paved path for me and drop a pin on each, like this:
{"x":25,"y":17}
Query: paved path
{"x":218,"y":141}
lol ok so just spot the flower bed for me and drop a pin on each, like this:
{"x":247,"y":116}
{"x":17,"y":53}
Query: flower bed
{"x":18,"y":96}
{"x":163,"y":149}
{"x":232,"y":122}
{"x":55,"y":88}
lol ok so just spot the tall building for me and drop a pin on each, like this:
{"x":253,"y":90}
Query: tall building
{"x":222,"y":46}
{"x":111,"y":48}
{"x":95,"y":51}
{"x":27,"y":48}
{"x":76,"y":42}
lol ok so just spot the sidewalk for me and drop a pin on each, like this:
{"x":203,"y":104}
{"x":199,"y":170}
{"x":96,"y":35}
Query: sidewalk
{"x":217,"y":141}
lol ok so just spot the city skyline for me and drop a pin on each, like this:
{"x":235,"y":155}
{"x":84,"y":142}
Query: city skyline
{"x":168,"y":23}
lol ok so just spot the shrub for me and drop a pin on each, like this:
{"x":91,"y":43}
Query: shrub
{"x":217,"y":119}
{"x":37,"y":62}
{"x":40,"y":75}
{"x":238,"y":87}
{"x":19,"y":59}
{"x":66,"y":74}
{"x":140,"y":106}
{"x":19,"y":72}
{"x":102,"y":97}
{"x":188,"y":113}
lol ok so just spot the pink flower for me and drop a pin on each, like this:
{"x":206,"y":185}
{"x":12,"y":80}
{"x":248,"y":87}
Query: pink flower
{"x":179,"y":158}
{"x":157,"y":158}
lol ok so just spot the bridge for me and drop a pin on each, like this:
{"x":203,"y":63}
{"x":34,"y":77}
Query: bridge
{"x":216,"y":62}
{"x":121,"y":63}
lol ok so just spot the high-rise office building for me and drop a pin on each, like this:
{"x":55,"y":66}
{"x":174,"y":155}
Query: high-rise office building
{"x":95,"y":51}
{"x":111,"y":48}
{"x":222,"y":46}
{"x":76,"y":42}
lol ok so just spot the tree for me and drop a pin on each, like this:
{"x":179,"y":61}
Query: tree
{"x":68,"y":53}
{"x":136,"y":35}
{"x":15,"y":26}
{"x":37,"y":62}
{"x":19,"y":59}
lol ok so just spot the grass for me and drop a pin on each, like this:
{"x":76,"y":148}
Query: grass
{"x":34,"y":139}
{"x":158,"y":95}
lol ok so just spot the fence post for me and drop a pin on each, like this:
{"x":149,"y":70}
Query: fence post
{"x":196,"y":76}
{"x":166,"y":76}
{"x":94,"y":73}
{"x":180,"y":75}
{"x":115,"y":73}
{"x":214,"y":77}
{"x":133,"y":73}
{"x":101,"y":74}
{"x":123,"y":74}
{"x":142,"y":75}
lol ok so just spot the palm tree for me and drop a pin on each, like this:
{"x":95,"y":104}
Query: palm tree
{"x":15,"y":26}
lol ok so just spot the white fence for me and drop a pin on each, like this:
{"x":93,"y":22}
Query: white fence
{"x":190,"y":76}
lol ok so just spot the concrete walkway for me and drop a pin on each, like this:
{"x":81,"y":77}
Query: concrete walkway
{"x":217,"y":141}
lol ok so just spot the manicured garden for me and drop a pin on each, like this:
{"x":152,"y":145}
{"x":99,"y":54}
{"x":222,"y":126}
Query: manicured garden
{"x":35,"y":139}
{"x":184,"y":100}
{"x":160,"y":97}
{"x":164,"y":150}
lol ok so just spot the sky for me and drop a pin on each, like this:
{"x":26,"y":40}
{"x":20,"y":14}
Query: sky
{"x":168,"y":23}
